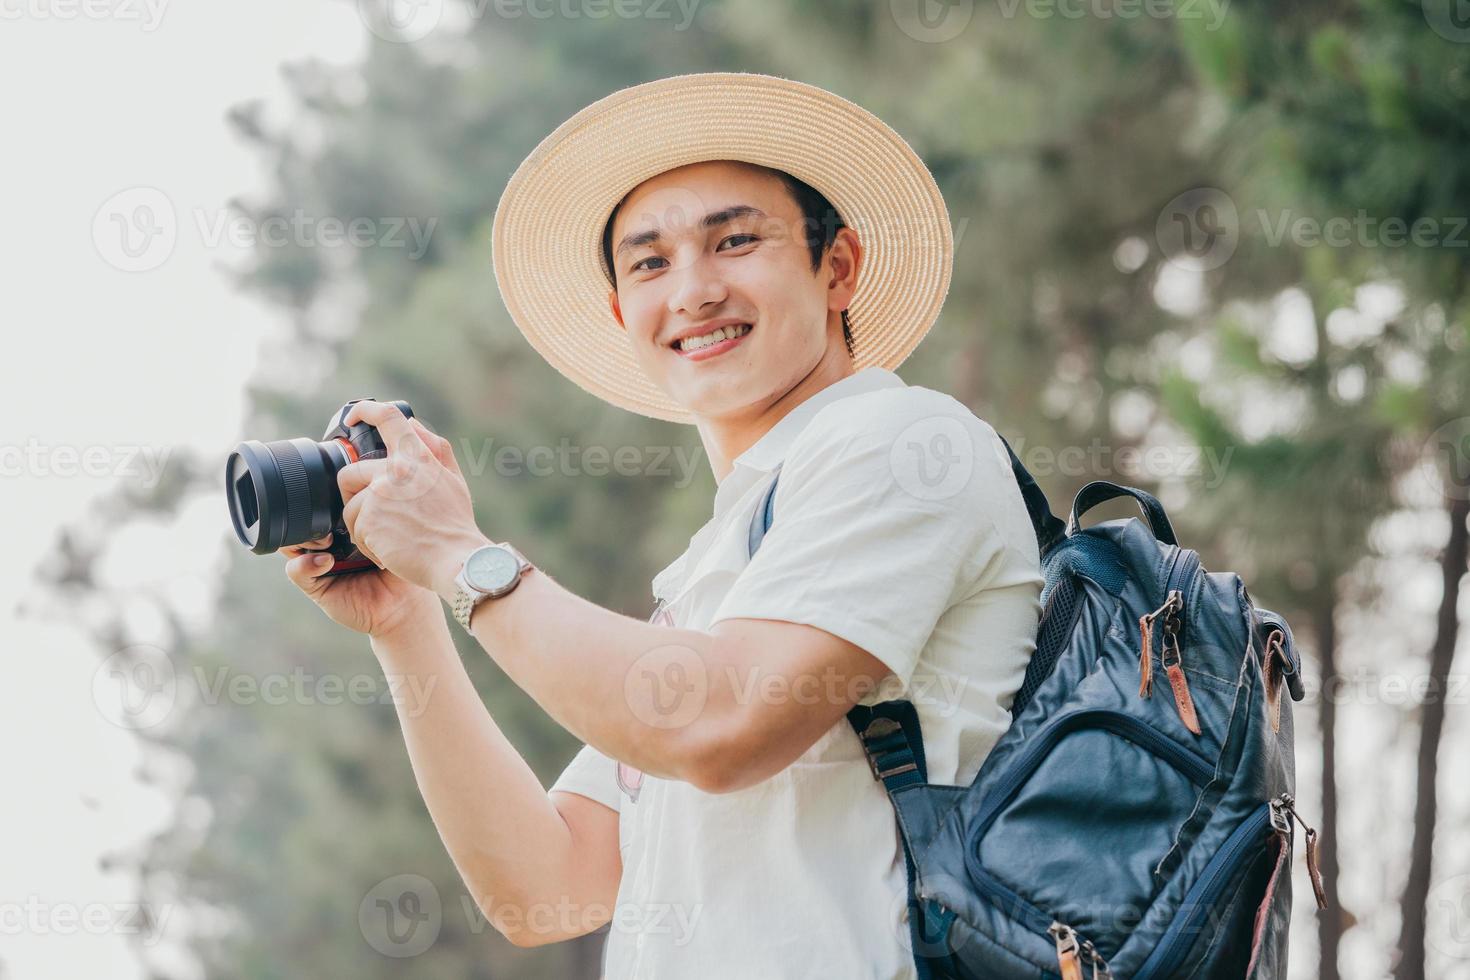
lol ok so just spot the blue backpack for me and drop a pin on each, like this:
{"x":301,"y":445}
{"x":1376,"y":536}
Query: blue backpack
{"x":1136,"y":819}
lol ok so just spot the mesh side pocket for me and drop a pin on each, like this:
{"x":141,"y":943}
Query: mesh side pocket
{"x":1057,"y":621}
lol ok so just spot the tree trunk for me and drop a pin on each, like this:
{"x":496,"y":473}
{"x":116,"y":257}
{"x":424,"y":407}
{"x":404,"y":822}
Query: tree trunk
{"x":1329,"y":921}
{"x":1441,"y":658}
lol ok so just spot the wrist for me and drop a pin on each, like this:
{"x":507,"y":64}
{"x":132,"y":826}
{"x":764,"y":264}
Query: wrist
{"x":447,"y":567}
{"x":413,"y":617}
{"x":411,"y":629}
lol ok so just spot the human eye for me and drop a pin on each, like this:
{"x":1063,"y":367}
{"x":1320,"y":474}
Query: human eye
{"x":639,"y":265}
{"x":731,"y":238}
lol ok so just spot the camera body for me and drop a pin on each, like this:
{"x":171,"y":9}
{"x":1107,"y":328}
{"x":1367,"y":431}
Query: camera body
{"x":285,"y":492}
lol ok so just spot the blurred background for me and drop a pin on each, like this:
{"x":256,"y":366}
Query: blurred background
{"x":1216,"y":248}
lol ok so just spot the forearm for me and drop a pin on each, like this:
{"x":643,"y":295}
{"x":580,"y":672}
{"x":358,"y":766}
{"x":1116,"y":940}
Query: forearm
{"x":507,"y":840}
{"x":658,"y":698}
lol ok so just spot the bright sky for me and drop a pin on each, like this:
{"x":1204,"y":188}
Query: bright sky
{"x":104,"y":370}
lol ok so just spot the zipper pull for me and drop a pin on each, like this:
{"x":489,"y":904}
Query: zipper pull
{"x":1174,"y":668}
{"x":1067,"y":959}
{"x":1275,"y":644}
{"x":1146,"y":655}
{"x":1314,"y":868}
{"x":1175,"y":600}
{"x":1099,"y":965}
{"x":1279,"y":819}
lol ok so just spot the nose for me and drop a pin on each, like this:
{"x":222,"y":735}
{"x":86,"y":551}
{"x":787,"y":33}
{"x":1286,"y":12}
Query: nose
{"x":697,"y":286}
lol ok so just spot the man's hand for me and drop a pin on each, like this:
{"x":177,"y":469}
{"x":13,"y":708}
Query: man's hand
{"x":410,"y":513}
{"x":370,"y":601}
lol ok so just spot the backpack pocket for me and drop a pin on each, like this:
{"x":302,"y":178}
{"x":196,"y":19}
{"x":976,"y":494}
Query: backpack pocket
{"x":1198,"y":917}
{"x":1038,"y":851}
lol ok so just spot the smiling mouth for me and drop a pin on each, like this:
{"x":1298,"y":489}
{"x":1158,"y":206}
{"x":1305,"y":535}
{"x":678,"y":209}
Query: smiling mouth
{"x":715,"y":342}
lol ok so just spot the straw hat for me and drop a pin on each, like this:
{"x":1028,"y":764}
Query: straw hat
{"x":547,"y":235}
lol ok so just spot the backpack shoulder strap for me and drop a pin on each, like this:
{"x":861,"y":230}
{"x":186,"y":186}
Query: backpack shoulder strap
{"x":760,"y":521}
{"x":1049,"y":528}
{"x":891,"y":739}
{"x":889,"y":732}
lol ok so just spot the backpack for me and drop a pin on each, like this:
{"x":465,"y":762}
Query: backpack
{"x":1137,"y":817}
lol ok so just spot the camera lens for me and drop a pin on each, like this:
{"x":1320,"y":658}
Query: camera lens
{"x":283,"y":493}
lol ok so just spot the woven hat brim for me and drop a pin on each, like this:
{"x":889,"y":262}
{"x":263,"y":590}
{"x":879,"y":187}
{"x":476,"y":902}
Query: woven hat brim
{"x":547,"y":232}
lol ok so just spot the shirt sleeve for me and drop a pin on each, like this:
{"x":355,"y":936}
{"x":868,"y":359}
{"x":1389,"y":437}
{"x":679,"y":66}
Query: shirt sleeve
{"x":882,"y":521}
{"x":590,"y":774}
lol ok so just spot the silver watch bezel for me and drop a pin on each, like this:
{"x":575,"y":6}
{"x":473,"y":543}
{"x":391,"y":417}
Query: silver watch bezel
{"x":470,"y":587}
{"x":467,"y":597}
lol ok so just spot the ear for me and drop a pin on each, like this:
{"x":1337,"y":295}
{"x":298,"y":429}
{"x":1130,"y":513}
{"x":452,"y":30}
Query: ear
{"x":617,"y":311}
{"x":844,"y":261}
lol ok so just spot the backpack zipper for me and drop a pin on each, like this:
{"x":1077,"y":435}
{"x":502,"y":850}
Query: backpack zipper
{"x":1172,"y":658}
{"x":1181,"y":568}
{"x":1072,"y":950}
{"x":1172,"y":603}
{"x":1185,"y":761}
{"x":1199,"y":900}
{"x":1272,"y":815}
{"x":1068,"y":960}
{"x":1190,"y":763}
{"x":1314,"y":869}
{"x":1099,"y":965}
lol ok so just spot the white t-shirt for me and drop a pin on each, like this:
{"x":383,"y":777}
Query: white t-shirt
{"x":899,"y":527}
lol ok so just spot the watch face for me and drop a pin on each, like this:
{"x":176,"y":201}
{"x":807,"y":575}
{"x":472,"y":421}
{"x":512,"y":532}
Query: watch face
{"x":491,"y":569}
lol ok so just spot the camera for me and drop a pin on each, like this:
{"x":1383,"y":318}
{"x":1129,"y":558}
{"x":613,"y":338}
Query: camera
{"x":285,"y":492}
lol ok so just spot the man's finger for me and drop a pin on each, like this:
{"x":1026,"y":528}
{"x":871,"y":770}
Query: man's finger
{"x":393,"y":428}
{"x":353,"y":478}
{"x":306,"y":573}
{"x":292,"y":550}
{"x":438,"y":445}
{"x":349,"y":515}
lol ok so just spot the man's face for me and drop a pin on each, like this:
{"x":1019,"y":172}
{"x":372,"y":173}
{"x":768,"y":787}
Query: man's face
{"x":719,"y":243}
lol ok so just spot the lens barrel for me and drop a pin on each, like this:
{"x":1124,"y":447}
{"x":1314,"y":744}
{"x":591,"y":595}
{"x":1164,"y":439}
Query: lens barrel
{"x":284,"y":492}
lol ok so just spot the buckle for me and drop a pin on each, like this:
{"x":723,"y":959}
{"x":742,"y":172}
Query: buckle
{"x":881,"y":728}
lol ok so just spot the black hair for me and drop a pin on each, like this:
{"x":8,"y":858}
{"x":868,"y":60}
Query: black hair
{"x":819,"y":219}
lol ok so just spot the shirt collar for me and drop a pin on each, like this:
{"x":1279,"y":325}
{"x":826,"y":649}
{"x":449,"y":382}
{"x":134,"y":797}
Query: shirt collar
{"x":763,"y":457}
{"x":770,"y":449}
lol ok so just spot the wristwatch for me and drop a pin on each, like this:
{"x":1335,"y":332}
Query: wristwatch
{"x":489,"y":572}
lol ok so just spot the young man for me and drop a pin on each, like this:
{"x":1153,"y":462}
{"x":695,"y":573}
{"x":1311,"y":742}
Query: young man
{"x":753,"y":256}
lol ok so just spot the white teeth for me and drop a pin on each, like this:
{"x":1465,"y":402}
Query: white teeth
{"x":713,"y":337}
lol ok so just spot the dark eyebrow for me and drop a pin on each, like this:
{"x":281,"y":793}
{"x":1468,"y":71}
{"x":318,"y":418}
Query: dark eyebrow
{"x":712,"y":220}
